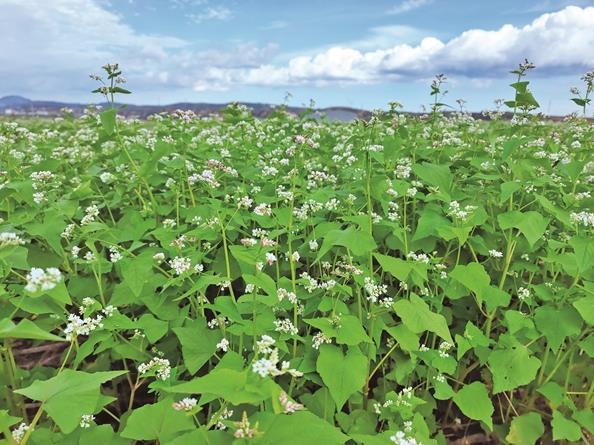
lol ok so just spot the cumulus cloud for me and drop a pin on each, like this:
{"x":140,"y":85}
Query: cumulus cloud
{"x":558,"y":43}
{"x":48,"y":47}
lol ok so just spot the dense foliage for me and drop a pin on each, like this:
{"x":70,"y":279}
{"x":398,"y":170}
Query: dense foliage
{"x":293,"y":281}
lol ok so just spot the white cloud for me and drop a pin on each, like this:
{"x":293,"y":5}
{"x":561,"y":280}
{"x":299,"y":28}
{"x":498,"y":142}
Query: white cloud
{"x":387,"y":36}
{"x":211,"y":13}
{"x":558,"y":43}
{"x":48,"y":47}
{"x":407,"y":5}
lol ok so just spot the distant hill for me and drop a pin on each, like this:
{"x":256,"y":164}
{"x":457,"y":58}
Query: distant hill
{"x":21,"y":106}
{"x":14,"y":101}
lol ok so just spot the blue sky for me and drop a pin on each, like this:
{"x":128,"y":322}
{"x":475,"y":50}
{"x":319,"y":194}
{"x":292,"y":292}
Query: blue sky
{"x":354,"y":53}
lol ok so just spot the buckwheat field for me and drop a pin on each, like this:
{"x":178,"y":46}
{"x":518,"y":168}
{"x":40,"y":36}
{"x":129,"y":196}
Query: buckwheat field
{"x":192,"y":280}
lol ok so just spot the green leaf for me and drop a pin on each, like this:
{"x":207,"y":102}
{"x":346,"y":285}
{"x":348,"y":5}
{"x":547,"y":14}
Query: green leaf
{"x":358,"y":242}
{"x":428,"y":223}
{"x":234,"y":386}
{"x":158,"y":421}
{"x":203,"y":437}
{"x":580,"y":102}
{"x":509,"y":147}
{"x":153,"y":328}
{"x":557,"y":324}
{"x":301,"y":428}
{"x":343,"y":375}
{"x":137,"y":271}
{"x":101,"y":434}
{"x":585,"y":418}
{"x":69,"y":395}
{"x":512,"y":367}
{"x":474,"y":402}
{"x":263,"y":281}
{"x":584,"y":252}
{"x":396,"y":267}
{"x":585,"y":306}
{"x":407,"y":340}
{"x":553,"y":392}
{"x":198,"y":343}
{"x":6,"y":420}
{"x":436,"y":175}
{"x":108,"y":120}
{"x":565,"y":429}
{"x":525,"y":429}
{"x":417,"y":317}
{"x":533,"y":226}
{"x":472,"y":276}
{"x":25,"y":329}
{"x":350,"y":331}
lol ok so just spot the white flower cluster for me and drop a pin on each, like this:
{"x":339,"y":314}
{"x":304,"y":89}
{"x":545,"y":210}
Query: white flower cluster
{"x":285,"y":326}
{"x":374,"y":291}
{"x":86,"y":420}
{"x":68,"y":230}
{"x":186,"y":404}
{"x":284,"y":294}
{"x":457,"y":211}
{"x":495,"y":253}
{"x":42,"y":280}
{"x":523,"y":293}
{"x":10,"y":239}
{"x":418,"y":257}
{"x":180,"y":265}
{"x":220,"y":321}
{"x":319,"y":339}
{"x":266,"y":366}
{"x":160,"y":366}
{"x":308,"y":208}
{"x":169,"y":223}
{"x":223,"y":345}
{"x":403,"y":168}
{"x":226,"y":414}
{"x":106,"y":177}
{"x":586,"y":219}
{"x":207,"y":176}
{"x":245,"y":202}
{"x":82,"y":325}
{"x":263,"y":210}
{"x":40,"y":178}
{"x":19,"y":432}
{"x":444,"y":347}
{"x":377,"y":407}
{"x":311,"y":284}
{"x":244,"y":429}
{"x":394,"y":208}
{"x":91,"y":213}
{"x":400,"y":438}
{"x":289,"y":407}
{"x":114,"y":254}
{"x":318,"y":178}
{"x":404,"y":397}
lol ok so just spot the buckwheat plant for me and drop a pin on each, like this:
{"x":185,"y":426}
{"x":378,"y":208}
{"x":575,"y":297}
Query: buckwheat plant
{"x":287,"y":279}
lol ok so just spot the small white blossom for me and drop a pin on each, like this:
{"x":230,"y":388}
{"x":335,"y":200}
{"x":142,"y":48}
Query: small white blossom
{"x":160,"y":366}
{"x":86,"y":420}
{"x":42,"y":280}
{"x":185,"y":404}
